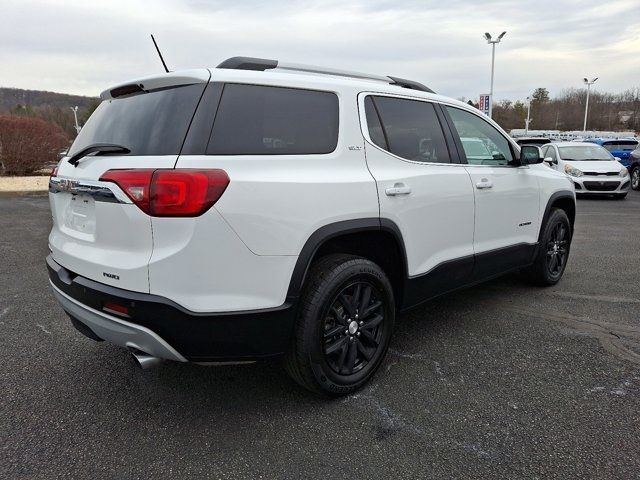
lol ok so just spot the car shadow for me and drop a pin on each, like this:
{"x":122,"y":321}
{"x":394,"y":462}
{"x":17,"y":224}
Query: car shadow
{"x":265,"y":386}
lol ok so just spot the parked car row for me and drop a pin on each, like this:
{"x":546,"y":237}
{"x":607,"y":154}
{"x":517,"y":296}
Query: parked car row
{"x":595,"y":165}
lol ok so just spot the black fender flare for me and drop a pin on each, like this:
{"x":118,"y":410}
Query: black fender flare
{"x":552,"y":199}
{"x":333,"y":230}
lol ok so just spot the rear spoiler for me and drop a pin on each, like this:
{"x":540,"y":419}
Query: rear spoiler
{"x":157,"y":82}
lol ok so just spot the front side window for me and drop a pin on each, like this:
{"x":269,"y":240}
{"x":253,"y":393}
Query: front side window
{"x":482,"y":143}
{"x":259,"y":120}
{"x":407,"y":128}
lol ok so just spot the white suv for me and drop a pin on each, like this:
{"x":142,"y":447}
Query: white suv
{"x":262,"y":209}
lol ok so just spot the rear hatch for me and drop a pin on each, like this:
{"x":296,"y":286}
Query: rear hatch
{"x":98,"y":232}
{"x":621,"y":148}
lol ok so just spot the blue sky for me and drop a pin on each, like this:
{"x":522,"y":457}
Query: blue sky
{"x":83,"y":47}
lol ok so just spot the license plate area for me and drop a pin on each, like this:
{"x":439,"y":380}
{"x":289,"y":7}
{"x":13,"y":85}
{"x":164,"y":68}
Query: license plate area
{"x":80,"y":214}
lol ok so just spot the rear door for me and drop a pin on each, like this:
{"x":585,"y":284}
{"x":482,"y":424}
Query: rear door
{"x":507,"y":200}
{"x":422,"y":189}
{"x":98,"y":232}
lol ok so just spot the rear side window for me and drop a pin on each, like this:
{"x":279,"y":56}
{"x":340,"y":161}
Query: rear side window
{"x":259,"y":120}
{"x":409,"y":129}
{"x":152,"y":123}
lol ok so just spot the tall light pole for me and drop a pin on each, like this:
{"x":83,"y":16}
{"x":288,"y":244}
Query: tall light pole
{"x":586,"y":107}
{"x":526,"y":124}
{"x":75,"y":117}
{"x":487,"y":36}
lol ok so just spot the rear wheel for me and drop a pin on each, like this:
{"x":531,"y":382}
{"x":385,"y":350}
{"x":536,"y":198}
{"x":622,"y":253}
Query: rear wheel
{"x":635,"y":178}
{"x":344,"y":325}
{"x":553,"y":250}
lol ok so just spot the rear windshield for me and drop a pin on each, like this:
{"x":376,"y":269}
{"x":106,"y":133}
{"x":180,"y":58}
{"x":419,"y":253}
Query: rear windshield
{"x":585,"y":153}
{"x":153,"y":123}
{"x":260,"y":120}
{"x":624,"y":145}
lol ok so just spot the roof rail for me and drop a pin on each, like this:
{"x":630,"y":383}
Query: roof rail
{"x":262,"y":64}
{"x":248,"y":63}
{"x":401,"y":82}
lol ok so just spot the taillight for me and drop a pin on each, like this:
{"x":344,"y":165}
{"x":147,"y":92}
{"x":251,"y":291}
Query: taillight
{"x":171,"y":193}
{"x":54,"y":172}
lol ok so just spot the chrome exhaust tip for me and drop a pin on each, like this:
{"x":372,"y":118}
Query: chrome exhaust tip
{"x":145,"y":361}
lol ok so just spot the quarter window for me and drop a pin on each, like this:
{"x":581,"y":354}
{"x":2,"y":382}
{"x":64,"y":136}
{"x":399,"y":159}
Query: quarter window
{"x":407,"y":128}
{"x":259,"y":120}
{"x":482,"y":143}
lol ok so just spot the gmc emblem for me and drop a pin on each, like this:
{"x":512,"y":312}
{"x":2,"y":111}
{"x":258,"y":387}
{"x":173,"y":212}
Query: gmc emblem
{"x":67,"y":185}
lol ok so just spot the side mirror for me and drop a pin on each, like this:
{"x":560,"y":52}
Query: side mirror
{"x":618,"y":159}
{"x":530,"y":154}
{"x":549,"y":161}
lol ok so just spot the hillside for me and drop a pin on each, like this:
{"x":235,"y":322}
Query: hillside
{"x":12,"y":97}
{"x":49,"y":106}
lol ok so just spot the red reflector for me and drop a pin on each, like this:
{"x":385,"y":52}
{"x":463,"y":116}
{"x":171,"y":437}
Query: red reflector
{"x":171,"y":193}
{"x":135,"y":183}
{"x":115,"y":308}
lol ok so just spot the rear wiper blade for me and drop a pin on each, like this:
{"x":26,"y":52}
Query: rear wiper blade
{"x":97,"y":148}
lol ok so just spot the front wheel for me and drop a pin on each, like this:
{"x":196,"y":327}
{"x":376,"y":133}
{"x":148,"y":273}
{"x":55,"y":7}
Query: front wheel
{"x":344,"y":325}
{"x":553,"y":250}
{"x":635,"y":178}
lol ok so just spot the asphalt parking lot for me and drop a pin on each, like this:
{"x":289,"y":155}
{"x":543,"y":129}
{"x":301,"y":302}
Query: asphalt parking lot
{"x":499,"y":381}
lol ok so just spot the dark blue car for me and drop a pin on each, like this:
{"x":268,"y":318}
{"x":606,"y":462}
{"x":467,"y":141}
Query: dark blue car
{"x":618,"y":147}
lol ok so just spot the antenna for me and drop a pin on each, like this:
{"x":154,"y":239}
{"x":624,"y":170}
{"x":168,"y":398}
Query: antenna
{"x":160,"y":54}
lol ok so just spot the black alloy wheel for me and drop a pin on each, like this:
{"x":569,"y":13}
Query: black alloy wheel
{"x":552,"y":254}
{"x":557,"y":249}
{"x":344,"y":325}
{"x":352,"y":328}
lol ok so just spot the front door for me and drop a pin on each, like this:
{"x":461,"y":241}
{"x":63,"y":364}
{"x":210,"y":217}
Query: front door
{"x":507,"y":213}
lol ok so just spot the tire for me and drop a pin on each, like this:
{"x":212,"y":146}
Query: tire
{"x":620,"y":196}
{"x":635,"y":178}
{"x":553,"y":251}
{"x":331,"y":352}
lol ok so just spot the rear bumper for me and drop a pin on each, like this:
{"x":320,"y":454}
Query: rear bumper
{"x":114,"y":330}
{"x":162,"y":328}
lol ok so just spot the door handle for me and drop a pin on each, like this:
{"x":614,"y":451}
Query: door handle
{"x":398,"y":189}
{"x":484,"y":183}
